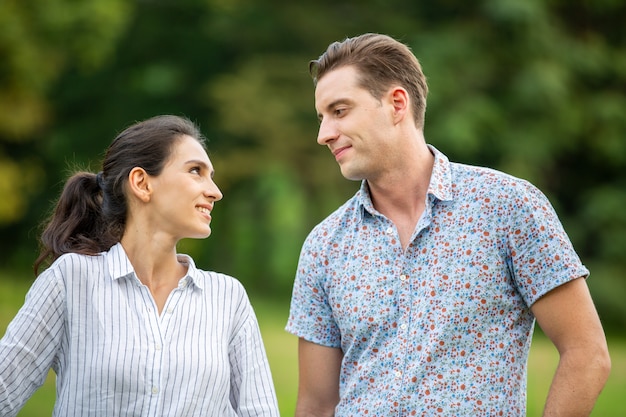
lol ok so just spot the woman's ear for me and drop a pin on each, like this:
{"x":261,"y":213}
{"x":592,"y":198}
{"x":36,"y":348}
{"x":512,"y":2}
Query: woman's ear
{"x":139,"y":184}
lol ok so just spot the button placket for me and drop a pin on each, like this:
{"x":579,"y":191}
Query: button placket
{"x":154,"y":353}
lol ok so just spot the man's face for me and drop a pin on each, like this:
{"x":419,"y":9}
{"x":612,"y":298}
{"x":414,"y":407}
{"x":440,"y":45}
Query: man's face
{"x":353,"y":124}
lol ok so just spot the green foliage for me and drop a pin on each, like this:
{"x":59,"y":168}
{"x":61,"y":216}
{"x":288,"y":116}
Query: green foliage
{"x":16,"y":185}
{"x":38,"y":43}
{"x":534,"y":88}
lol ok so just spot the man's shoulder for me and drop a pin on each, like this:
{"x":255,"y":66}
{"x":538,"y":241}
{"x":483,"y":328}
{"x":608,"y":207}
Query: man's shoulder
{"x":480,"y":172}
{"x":349,"y":211}
{"x":342,"y":219}
{"x":485,"y":179}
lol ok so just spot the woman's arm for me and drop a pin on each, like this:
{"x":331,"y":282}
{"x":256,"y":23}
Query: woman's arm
{"x":252,"y":387}
{"x":29,"y":347}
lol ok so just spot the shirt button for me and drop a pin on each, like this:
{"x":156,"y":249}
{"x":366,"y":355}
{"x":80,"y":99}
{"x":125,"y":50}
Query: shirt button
{"x":169,"y":311}
{"x":398,"y":374}
{"x":403,"y":326}
{"x":157,"y":346}
{"x":155,"y":390}
{"x":389,"y":230}
{"x":402,"y":277}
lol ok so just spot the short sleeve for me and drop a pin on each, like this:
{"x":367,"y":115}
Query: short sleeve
{"x":542,"y":255}
{"x":310,"y":315}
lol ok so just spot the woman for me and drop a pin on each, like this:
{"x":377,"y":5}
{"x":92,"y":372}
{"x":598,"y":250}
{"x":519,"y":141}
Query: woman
{"x":130,"y":327}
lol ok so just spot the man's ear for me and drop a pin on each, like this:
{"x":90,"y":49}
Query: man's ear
{"x":400,"y":100}
{"x":139,"y":184}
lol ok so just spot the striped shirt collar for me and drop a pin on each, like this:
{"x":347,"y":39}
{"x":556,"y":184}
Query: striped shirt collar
{"x":120,"y":266}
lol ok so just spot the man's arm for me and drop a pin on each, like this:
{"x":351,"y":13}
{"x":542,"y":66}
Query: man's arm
{"x":568,"y":317}
{"x":318,"y":383}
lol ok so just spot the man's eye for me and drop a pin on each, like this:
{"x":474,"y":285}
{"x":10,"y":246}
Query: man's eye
{"x":339,"y":112}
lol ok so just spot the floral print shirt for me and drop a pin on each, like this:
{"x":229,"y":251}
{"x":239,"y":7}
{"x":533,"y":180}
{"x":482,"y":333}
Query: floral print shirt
{"x":443,"y":327}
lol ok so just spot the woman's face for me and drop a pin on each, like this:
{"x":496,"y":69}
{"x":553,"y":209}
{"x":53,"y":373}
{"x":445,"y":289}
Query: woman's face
{"x":184,"y":193}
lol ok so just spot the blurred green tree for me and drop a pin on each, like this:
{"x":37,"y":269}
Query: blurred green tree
{"x":534,"y":88}
{"x":38,"y":42}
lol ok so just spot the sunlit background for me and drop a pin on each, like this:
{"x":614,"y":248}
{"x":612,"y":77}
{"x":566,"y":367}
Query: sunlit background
{"x":536,"y":88}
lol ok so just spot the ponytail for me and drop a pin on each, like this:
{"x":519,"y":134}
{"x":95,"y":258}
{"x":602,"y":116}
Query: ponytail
{"x":77,"y":224}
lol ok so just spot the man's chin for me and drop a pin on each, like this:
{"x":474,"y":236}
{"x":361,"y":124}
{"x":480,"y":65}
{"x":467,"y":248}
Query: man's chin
{"x":352,"y":176}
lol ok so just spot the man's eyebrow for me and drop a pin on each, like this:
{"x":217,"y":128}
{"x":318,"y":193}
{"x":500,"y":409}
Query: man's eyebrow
{"x":330,"y":106}
{"x":337,"y":102}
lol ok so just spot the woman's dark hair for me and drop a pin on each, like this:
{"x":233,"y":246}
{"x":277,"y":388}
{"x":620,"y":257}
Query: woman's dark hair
{"x":90,"y":215}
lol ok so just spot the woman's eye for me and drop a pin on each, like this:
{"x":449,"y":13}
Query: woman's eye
{"x":195,"y":170}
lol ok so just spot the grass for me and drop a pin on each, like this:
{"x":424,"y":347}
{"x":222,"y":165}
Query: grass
{"x":282,"y":353}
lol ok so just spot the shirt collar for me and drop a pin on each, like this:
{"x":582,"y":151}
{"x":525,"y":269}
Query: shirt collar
{"x":439,"y":187}
{"x":120,"y":266}
{"x":193,"y":274}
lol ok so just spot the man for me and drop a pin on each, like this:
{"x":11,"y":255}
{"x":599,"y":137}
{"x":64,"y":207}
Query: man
{"x":418,"y":296}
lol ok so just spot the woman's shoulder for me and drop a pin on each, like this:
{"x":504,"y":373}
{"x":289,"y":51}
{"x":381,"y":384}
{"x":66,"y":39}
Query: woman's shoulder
{"x":69,"y":262}
{"x":218,"y":281}
{"x":225,"y":293}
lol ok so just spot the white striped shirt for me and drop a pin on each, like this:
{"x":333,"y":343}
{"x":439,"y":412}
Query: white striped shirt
{"x":96,"y":325}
